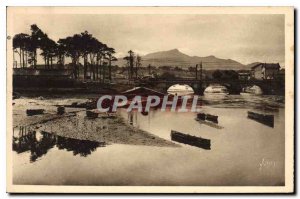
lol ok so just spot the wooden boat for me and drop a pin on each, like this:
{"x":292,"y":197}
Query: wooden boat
{"x":91,"y":114}
{"x":212,"y":118}
{"x":107,"y":115}
{"x":209,"y":117}
{"x":60,"y":110}
{"x":262,"y":118}
{"x":201,"y":116}
{"x":190,"y":140}
{"x":31,"y":112}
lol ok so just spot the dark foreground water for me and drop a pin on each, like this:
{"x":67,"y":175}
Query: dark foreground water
{"x":243,"y":151}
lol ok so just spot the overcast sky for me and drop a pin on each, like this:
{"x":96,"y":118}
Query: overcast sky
{"x":244,"y":38}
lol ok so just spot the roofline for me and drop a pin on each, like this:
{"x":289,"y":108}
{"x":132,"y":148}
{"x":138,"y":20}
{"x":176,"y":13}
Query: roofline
{"x":253,"y":67}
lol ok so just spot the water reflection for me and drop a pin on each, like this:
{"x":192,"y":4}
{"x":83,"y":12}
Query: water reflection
{"x":39,"y":143}
{"x":41,"y":147}
{"x":210,"y":124}
{"x":269,"y":102}
{"x":130,"y":164}
{"x":132,"y":116}
{"x":81,"y":147}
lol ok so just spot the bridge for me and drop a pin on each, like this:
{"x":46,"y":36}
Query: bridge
{"x":271,"y":86}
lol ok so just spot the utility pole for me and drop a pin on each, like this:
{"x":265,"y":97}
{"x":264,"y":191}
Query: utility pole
{"x":130,"y":62}
{"x":200,"y":71}
{"x":196,"y":71}
{"x":14,"y":62}
{"x":149,"y":69}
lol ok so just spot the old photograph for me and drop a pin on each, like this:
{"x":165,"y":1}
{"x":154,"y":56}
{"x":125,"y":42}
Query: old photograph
{"x":150,"y":99}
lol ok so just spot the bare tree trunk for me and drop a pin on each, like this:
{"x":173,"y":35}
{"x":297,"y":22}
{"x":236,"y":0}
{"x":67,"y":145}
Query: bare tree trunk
{"x":94,"y":75}
{"x":48,"y":65}
{"x":26,"y":65}
{"x":109,"y":68}
{"x":100,"y":70}
{"x":84,"y":67}
{"x":13,"y":58}
{"x":62,"y":61}
{"x":77,"y":67}
{"x":104,"y":71}
{"x":23,"y":58}
{"x":136,"y":69}
{"x":74,"y":68}
{"x":97,"y":69}
{"x":35,"y":58}
{"x":20,"y":58}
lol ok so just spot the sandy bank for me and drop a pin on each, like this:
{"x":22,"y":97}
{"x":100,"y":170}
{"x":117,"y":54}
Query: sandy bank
{"x":74,"y":124}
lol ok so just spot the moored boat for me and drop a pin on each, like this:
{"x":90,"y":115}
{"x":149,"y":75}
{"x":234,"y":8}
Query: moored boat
{"x":190,"y":140}
{"x":262,"y":118}
{"x":31,"y":112}
{"x":209,"y":117}
{"x":91,"y":114}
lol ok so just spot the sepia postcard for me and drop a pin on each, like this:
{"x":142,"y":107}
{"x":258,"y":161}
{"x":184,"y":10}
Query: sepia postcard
{"x":150,"y":99}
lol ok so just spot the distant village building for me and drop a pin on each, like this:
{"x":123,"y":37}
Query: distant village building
{"x":42,"y":73}
{"x":244,"y":76}
{"x":265,"y":71}
{"x":281,"y":74}
{"x":26,"y":77}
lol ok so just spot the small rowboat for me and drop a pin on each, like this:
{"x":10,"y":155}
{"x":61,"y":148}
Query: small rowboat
{"x":91,"y":114}
{"x":190,"y":140}
{"x":31,"y":112}
{"x":60,"y":110}
{"x":262,"y":118}
{"x":209,"y":117}
{"x":212,"y":118}
{"x":201,"y":116}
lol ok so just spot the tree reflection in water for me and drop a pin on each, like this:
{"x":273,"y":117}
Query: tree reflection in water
{"x":39,"y":143}
{"x":82,"y":147}
{"x":41,"y":147}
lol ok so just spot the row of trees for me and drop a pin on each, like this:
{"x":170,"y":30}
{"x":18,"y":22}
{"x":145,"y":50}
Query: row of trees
{"x":97,"y":57}
{"x":133,"y":63}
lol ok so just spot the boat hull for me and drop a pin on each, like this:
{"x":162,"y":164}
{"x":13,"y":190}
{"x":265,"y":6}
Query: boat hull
{"x":190,"y":140}
{"x":262,"y":118}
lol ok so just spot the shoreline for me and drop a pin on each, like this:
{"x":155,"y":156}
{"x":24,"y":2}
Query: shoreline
{"x":74,"y":124}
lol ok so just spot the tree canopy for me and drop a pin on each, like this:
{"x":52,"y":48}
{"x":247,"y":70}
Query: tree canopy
{"x":83,"y":45}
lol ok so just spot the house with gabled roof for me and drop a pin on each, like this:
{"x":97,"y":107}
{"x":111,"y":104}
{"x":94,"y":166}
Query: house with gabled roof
{"x":265,"y":70}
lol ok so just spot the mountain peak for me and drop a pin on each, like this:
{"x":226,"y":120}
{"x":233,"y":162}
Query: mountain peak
{"x":211,"y":56}
{"x":174,"y":50}
{"x":174,"y":57}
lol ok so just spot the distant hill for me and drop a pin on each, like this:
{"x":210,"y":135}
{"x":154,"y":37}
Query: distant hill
{"x":176,"y":58}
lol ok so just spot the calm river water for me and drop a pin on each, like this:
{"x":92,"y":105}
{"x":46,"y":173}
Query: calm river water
{"x":243,"y":151}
